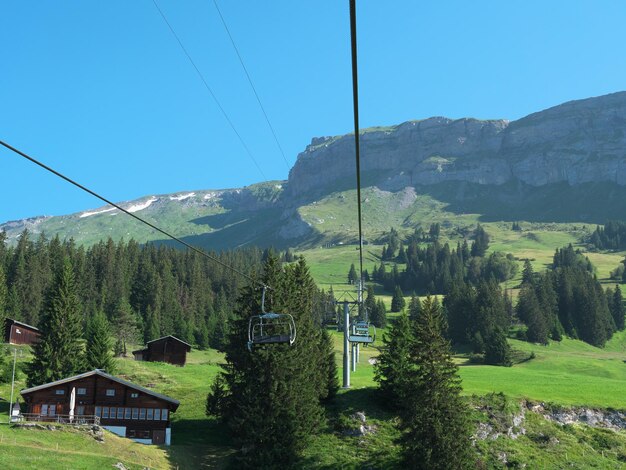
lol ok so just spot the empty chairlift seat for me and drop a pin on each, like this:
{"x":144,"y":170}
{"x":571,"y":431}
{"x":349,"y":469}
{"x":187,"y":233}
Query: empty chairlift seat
{"x":271,"y":328}
{"x":362,"y":332}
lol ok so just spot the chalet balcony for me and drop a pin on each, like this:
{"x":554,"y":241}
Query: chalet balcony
{"x":57,"y":419}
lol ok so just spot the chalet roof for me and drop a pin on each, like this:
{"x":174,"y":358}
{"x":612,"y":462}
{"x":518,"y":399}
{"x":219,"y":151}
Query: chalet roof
{"x":170,"y":336}
{"x":105,"y":375}
{"x":25,"y":325}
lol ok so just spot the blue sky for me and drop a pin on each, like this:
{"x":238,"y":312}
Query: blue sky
{"x":102,"y":91}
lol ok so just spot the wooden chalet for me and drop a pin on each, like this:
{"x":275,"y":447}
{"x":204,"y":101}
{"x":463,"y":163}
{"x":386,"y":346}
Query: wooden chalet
{"x":16,"y":332}
{"x":167,"y":349}
{"x":120,"y":406}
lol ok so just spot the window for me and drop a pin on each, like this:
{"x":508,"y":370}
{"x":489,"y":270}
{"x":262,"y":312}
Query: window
{"x":134,"y":395}
{"x":142,"y":413}
{"x":105,"y":412}
{"x":81,"y":391}
{"x":112,"y":412}
{"x":150,"y":414}
{"x":131,"y":433}
{"x":80,"y":410}
{"x":120,"y":413}
{"x":44,"y":410}
{"x":164,"y":414}
{"x":157,"y":414}
{"x":52,"y":410}
{"x":110,"y":392}
{"x":135,"y":413}
{"x":126,"y":413}
{"x":59,"y":391}
{"x":99,"y":411}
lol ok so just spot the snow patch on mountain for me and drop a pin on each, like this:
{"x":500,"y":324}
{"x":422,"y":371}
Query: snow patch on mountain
{"x":142,"y":205}
{"x":182,"y":197}
{"x":88,"y":214}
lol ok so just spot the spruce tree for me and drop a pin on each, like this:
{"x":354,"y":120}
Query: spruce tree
{"x":527,"y":273}
{"x":393,"y":363}
{"x":278,"y":386}
{"x":434,"y":418}
{"x":378,"y":315}
{"x":397,"y":301}
{"x":414,"y":307}
{"x":617,"y":308}
{"x":4,"y":294}
{"x":59,"y":351}
{"x":497,"y":349}
{"x":481,"y":242}
{"x":353,"y":277}
{"x":126,"y":328}
{"x":98,"y":354}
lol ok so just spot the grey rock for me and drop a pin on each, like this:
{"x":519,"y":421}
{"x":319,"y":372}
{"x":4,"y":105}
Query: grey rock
{"x":576,"y":142}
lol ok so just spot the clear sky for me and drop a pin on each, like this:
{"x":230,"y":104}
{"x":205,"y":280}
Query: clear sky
{"x":102,"y":91}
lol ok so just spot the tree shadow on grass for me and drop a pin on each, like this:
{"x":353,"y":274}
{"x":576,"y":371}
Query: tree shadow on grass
{"x":199,"y":443}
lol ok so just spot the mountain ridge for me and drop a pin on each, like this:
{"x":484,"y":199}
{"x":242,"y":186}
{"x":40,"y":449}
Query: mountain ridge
{"x":500,"y":169}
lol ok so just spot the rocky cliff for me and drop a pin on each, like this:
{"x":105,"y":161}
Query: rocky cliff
{"x":577,"y":142}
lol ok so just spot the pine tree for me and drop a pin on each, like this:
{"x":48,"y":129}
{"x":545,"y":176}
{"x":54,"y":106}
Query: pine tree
{"x":126,"y":330}
{"x":528,"y":274}
{"x":279,"y":385}
{"x":617,"y":308}
{"x":393,"y":363}
{"x":4,"y":294}
{"x":434,"y":418}
{"x":378,"y":315}
{"x":98,"y":349}
{"x":497,"y":349}
{"x":397,"y":301}
{"x":353,"y":277}
{"x":415,"y":307}
{"x":59,"y":351}
{"x":481,"y":242}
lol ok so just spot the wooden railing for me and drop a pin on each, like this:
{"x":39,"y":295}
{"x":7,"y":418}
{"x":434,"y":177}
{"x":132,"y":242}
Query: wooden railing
{"x":60,"y":419}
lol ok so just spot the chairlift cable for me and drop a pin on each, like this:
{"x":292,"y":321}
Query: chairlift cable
{"x":355,"y":99}
{"x":149,"y":224}
{"x":209,"y":89}
{"x":267,"y":119}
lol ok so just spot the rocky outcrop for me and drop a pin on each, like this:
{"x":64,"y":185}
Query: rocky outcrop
{"x":576,"y":142}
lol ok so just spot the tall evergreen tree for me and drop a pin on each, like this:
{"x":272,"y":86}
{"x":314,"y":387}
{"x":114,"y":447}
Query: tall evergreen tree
{"x":393,"y":363}
{"x":481,"y":242}
{"x":434,"y":418}
{"x":397,"y":301}
{"x":527,"y":273}
{"x":279,"y":385}
{"x":497,"y":349}
{"x":59,"y":351}
{"x":126,"y":330}
{"x":98,"y":353}
{"x":353,"y":277}
{"x":617,"y":308}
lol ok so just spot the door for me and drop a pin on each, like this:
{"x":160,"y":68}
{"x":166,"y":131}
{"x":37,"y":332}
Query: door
{"x":158,"y":436}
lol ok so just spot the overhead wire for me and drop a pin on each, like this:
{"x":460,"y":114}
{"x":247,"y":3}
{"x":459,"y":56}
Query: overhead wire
{"x":209,"y":89}
{"x":355,"y":100}
{"x":267,"y":119}
{"x":140,"y":219}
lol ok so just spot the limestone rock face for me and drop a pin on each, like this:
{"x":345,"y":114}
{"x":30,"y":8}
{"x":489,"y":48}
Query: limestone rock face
{"x":576,"y":142}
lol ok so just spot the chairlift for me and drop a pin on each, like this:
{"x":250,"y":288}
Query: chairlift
{"x":270,"y":327}
{"x":362,"y":332}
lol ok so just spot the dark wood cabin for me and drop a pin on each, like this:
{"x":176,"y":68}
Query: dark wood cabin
{"x":16,"y":332}
{"x":167,"y":349}
{"x":120,"y":406}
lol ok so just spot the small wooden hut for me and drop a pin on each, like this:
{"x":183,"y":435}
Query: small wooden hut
{"x":16,"y":332}
{"x":167,"y":349}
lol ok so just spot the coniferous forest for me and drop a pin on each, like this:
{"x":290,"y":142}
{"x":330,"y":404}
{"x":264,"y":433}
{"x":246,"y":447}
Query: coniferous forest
{"x":144,"y":291}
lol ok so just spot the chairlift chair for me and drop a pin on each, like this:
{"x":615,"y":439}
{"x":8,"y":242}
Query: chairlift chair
{"x":270,"y":327}
{"x":362,"y":332}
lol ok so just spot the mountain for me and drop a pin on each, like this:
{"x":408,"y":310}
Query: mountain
{"x":566,"y":163}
